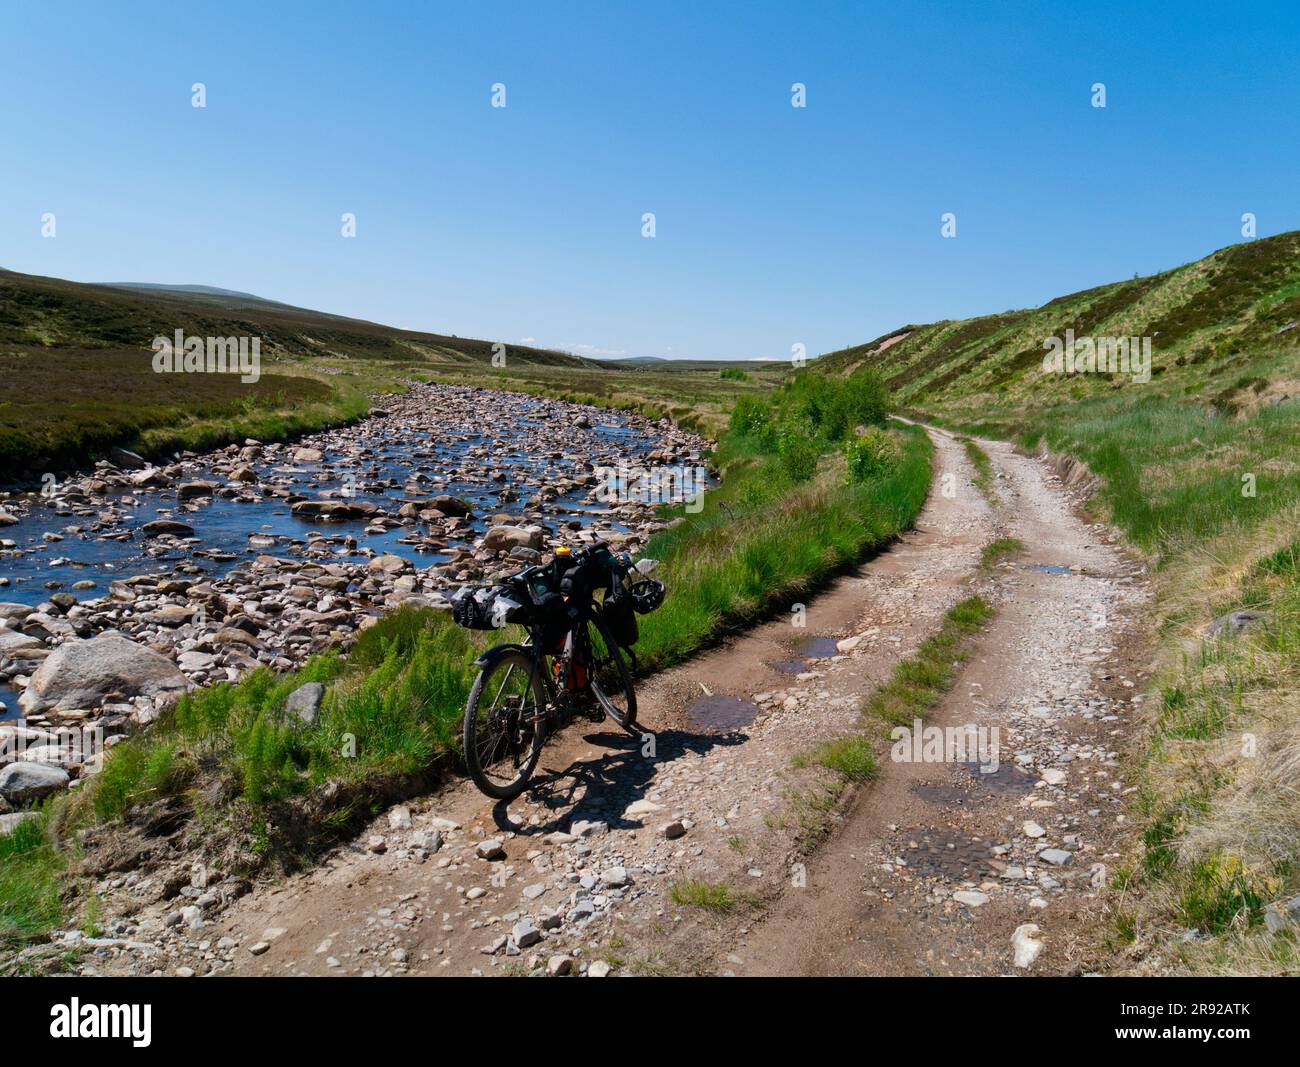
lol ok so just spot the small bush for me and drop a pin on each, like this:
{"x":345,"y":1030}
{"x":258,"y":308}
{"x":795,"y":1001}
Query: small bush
{"x":750,"y":417}
{"x":798,"y":457}
{"x":872,"y":455}
{"x":135,"y":773}
{"x":865,"y":399}
{"x":1217,"y":895}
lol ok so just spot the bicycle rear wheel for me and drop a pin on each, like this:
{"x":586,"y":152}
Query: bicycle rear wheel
{"x":505,"y":725}
{"x":610,"y":678}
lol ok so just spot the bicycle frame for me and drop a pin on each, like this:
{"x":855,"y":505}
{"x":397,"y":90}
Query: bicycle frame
{"x":557,"y":699}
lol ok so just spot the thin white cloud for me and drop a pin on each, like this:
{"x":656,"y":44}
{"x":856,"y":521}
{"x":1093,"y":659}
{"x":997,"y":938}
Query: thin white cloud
{"x":593,"y":350}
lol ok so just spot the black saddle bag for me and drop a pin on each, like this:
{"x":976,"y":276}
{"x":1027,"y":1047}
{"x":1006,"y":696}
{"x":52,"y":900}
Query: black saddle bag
{"x":487,"y":609}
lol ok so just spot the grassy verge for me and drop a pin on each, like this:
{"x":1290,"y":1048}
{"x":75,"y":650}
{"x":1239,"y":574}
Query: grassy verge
{"x":60,"y":408}
{"x":1221,"y":830}
{"x":1175,"y":475}
{"x":31,"y":873}
{"x":392,"y":711}
{"x":765,"y":540}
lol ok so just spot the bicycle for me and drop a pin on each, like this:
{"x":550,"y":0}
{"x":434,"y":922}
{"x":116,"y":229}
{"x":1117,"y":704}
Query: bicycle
{"x":574,"y":660}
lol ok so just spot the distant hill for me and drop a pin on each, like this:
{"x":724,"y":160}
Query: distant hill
{"x":658,"y":363}
{"x":77,"y":377}
{"x":210,"y":290}
{"x":1212,"y":325}
{"x":40,"y":312}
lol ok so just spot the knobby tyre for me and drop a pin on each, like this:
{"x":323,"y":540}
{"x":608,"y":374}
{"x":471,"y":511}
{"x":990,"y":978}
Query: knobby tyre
{"x":505,"y":725}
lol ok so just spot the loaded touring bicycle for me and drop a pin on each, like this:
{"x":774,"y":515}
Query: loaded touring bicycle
{"x":579,"y":614}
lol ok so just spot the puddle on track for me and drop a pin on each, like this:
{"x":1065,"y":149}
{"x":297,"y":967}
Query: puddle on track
{"x":970,"y":784}
{"x":720,"y":714}
{"x":956,"y":856}
{"x":940,"y":793}
{"x":813,"y":648}
{"x":788,"y":666}
{"x":1008,"y":778}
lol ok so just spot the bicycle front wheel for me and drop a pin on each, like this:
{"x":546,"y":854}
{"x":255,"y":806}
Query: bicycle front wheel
{"x":505,"y":725}
{"x":611,"y":680}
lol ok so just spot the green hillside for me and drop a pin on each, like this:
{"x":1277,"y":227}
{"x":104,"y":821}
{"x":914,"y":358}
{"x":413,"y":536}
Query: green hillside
{"x":48,"y":312}
{"x":1223,"y":330}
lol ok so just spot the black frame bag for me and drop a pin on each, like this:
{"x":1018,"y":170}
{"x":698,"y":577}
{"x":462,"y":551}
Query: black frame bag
{"x":620,"y":618}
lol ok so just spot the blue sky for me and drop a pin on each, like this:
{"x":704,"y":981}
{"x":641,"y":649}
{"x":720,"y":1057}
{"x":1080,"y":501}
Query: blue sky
{"x":775,"y":225}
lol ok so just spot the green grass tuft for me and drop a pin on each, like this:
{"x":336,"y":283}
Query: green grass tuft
{"x":996,"y":551}
{"x":31,"y":870}
{"x":983,"y":471}
{"x":718,"y":897}
{"x":852,"y":757}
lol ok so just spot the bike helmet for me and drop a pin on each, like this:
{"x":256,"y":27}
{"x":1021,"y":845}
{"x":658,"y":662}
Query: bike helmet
{"x":647,"y":594}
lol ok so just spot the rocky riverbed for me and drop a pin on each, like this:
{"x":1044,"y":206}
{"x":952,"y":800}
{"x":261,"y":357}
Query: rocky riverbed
{"x":124,"y":586}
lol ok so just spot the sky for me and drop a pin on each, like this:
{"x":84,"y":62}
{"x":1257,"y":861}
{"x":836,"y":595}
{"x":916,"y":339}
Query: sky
{"x":774,"y":225}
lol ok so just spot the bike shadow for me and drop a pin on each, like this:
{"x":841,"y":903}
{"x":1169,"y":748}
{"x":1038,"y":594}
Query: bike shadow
{"x":600,"y":789}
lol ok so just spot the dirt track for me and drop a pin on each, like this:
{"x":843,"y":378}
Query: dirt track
{"x":587,"y":872}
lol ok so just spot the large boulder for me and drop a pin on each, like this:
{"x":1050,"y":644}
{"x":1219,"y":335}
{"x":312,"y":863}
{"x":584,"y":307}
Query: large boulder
{"x":21,"y":783}
{"x":504,"y":538}
{"x":171,"y":615}
{"x":12,"y":641}
{"x":388,"y":564}
{"x":80,"y":674}
{"x":13,"y":614}
{"x":169,"y":527}
{"x":193,"y":490}
{"x":326,"y":510}
{"x":305,"y":701}
{"x":127,"y":461}
{"x":150,"y":476}
{"x":451,"y":505}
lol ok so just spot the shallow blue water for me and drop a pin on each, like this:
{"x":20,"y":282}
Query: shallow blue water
{"x":224,"y":525}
